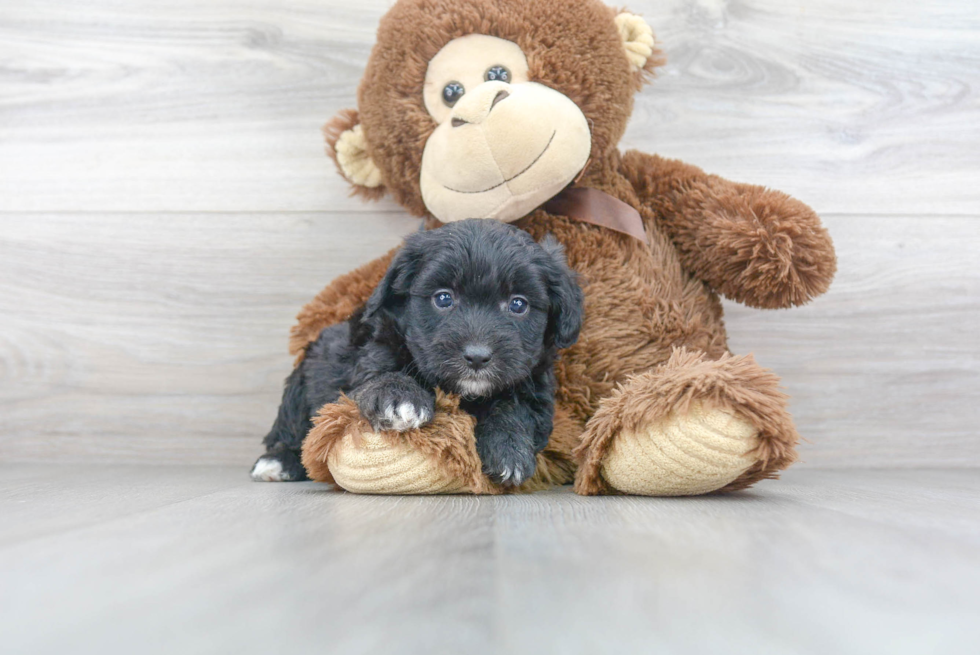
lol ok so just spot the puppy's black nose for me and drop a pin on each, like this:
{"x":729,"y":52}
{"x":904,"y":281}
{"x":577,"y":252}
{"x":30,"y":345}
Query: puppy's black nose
{"x":477,"y":356}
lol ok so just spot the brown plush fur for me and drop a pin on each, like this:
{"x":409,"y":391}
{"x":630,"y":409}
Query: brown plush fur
{"x":756,"y":246}
{"x":653,"y":339}
{"x":347,"y":119}
{"x":448,"y":441}
{"x":731,"y":383}
{"x":566,"y":43}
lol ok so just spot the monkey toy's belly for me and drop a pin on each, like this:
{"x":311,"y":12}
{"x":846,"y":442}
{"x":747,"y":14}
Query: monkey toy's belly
{"x":640,"y":304}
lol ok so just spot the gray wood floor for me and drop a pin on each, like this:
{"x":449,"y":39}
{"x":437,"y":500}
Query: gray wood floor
{"x":182,"y":559}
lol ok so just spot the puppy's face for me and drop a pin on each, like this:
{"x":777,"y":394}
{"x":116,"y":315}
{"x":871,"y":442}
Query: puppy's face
{"x":479,"y":304}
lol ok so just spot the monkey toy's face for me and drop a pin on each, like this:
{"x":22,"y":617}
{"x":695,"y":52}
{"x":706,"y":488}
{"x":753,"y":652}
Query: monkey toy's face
{"x":489,"y":108}
{"x":503,"y":144}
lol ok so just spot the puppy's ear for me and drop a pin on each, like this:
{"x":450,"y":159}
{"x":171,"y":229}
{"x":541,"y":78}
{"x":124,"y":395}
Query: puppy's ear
{"x":390,"y":296}
{"x":567,"y":301}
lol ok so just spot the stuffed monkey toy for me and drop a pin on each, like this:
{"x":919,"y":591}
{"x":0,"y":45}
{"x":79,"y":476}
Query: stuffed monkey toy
{"x":512,"y":110}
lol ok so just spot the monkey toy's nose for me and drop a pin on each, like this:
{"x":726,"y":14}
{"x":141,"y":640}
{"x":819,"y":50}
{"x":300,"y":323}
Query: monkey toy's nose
{"x":475,"y":106}
{"x":477,"y":356}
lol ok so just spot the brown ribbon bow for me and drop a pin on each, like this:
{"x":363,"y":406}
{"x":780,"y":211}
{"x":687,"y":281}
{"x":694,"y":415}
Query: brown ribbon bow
{"x":596,"y":207}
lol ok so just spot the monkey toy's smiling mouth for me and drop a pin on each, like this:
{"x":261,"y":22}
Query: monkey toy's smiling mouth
{"x":503,"y":144}
{"x":513,"y":177}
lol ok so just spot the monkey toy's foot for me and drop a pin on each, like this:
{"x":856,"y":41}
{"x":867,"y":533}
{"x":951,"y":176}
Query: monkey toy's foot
{"x":683,"y":454}
{"x":437,"y":458}
{"x":692,"y":426}
{"x":373,"y":464}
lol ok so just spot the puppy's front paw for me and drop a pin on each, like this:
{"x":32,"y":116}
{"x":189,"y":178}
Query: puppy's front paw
{"x":396,"y":403}
{"x":507,"y":462}
{"x":402,"y":415}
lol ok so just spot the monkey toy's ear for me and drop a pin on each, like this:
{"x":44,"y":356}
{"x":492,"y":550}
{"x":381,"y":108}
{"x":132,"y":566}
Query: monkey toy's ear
{"x":347,"y":146}
{"x":639,"y":43}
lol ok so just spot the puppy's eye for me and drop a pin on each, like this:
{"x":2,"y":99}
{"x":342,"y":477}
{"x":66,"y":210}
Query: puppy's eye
{"x":517,"y":305}
{"x":443,"y":299}
{"x":452,"y":92}
{"x":497,"y":74}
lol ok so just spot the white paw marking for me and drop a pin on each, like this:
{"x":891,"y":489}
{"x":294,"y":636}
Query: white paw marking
{"x":406,"y":417}
{"x":513,"y":476}
{"x":268,"y":469}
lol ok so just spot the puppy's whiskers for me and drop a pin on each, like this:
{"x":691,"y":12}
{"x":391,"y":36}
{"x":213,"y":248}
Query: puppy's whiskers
{"x":413,"y":368}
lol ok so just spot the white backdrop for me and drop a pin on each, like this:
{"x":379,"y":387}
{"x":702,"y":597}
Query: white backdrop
{"x":166,"y":208}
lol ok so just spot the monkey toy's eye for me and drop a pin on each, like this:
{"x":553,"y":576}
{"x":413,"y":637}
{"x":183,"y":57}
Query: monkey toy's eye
{"x":452,"y":92}
{"x":497,"y":74}
{"x":443,"y":299}
{"x":517,"y":305}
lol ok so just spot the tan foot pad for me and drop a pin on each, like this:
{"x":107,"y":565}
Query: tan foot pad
{"x":377,"y":466}
{"x":681,"y":455}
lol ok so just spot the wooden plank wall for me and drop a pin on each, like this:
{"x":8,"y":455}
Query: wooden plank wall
{"x":166,"y":207}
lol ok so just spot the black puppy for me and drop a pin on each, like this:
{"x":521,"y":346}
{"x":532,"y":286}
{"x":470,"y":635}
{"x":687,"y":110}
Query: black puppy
{"x":474,"y":307}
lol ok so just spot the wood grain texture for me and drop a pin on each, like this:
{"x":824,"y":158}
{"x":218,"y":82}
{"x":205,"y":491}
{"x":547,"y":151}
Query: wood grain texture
{"x":162,"y":338}
{"x":159,"y":338}
{"x":826,"y":561}
{"x":166,"y":208}
{"x":884,"y":370}
{"x":212,"y":105}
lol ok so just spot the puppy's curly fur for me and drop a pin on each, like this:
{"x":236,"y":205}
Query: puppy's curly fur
{"x":475,"y":308}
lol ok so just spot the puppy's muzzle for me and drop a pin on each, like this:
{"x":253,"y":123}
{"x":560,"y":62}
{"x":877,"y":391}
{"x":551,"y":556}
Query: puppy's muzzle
{"x":477,"y":356}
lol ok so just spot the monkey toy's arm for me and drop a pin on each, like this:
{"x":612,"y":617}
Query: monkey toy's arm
{"x":753,"y":245}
